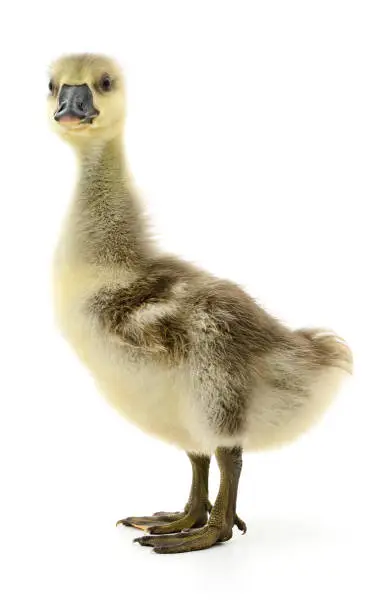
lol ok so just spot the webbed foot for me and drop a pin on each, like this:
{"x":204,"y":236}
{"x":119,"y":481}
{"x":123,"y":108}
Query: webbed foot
{"x":195,"y":539}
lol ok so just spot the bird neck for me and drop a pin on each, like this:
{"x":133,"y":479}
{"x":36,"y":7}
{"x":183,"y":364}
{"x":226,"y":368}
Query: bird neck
{"x":106,"y":224}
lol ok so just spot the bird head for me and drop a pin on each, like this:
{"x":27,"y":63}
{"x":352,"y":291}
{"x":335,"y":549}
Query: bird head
{"x":86,"y":101}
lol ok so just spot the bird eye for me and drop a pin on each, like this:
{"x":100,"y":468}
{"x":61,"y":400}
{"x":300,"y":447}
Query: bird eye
{"x":105,"y":83}
{"x":51,"y":86}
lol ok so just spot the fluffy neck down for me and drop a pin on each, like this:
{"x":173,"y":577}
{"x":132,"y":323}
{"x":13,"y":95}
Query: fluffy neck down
{"x":107,"y":226}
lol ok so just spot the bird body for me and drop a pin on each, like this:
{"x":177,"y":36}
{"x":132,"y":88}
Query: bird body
{"x":187,"y":357}
{"x":171,"y":383}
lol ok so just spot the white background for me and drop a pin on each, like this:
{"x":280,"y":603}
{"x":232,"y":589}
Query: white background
{"x":254,"y":136}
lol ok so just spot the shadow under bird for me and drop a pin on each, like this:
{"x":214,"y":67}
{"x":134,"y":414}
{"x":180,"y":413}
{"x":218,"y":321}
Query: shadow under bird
{"x":186,"y":356}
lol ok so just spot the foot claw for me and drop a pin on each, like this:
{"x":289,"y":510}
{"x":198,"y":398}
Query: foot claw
{"x":141,"y":541}
{"x":129,"y":523}
{"x":240,"y":525}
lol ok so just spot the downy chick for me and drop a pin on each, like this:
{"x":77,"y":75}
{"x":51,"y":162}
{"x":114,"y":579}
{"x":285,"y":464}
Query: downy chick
{"x":189,"y":358}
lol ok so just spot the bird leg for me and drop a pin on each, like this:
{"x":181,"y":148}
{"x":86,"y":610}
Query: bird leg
{"x":223,"y":515}
{"x":195,"y":513}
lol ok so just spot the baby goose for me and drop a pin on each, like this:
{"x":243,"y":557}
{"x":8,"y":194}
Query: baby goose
{"x":188,"y":357}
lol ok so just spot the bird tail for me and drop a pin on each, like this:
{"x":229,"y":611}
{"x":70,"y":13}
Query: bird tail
{"x":305,"y":381}
{"x":329,"y":349}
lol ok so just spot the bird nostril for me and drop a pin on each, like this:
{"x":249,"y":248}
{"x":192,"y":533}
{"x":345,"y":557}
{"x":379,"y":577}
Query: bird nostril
{"x":80,"y":105}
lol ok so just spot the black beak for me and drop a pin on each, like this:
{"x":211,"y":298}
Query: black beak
{"x":75,"y":102}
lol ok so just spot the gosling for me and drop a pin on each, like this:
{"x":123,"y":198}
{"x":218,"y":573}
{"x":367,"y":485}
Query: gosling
{"x":186,"y":356}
